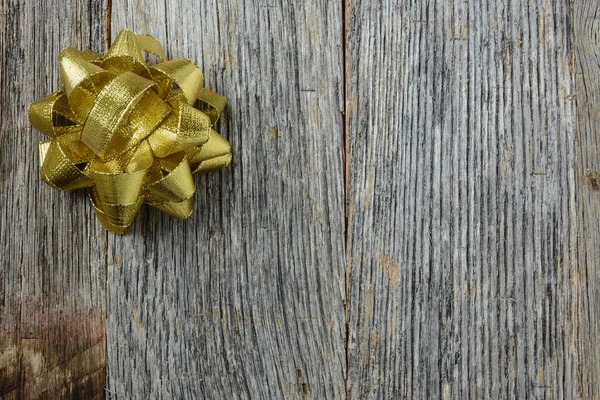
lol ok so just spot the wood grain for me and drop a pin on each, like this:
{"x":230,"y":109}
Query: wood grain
{"x":52,"y":260}
{"x":413,"y":210}
{"x":586,"y":22}
{"x":469,"y":276}
{"x":243,"y":299}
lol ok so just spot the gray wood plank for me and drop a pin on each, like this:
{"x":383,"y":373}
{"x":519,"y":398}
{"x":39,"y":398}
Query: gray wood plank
{"x":52,"y":259}
{"x":468,"y":277}
{"x":243,"y":299}
{"x":587,"y":64}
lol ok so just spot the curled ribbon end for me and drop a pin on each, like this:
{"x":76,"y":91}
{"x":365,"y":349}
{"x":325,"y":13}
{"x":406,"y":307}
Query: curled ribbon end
{"x":130,"y":133}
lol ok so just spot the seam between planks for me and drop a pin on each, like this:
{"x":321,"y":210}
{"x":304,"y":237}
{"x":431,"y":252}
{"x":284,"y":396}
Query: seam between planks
{"x":107,"y":24}
{"x":346,"y":161}
{"x":107,"y":43}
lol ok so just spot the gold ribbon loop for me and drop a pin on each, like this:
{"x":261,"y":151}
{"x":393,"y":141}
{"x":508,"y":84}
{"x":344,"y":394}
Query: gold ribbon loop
{"x":186,"y":74}
{"x":75,"y":150}
{"x":41,"y":114}
{"x":110,"y":216}
{"x":216,"y":104}
{"x":111,"y":106}
{"x":74,"y":69}
{"x":184,"y":129}
{"x":179,"y":210}
{"x":130,"y":133}
{"x":149,"y":44}
{"x":176,"y":186}
{"x":109,"y":187}
{"x":214,"y":154}
{"x":118,"y":214}
{"x":58,"y":171}
{"x":126,"y":45}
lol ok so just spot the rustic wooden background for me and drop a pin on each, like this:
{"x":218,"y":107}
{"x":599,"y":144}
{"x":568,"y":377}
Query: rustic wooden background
{"x":413,"y":210}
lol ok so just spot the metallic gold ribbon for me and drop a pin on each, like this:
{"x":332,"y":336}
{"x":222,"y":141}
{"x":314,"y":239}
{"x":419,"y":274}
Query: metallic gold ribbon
{"x":130,"y":132}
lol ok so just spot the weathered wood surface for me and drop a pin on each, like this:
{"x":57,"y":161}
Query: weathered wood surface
{"x":422,"y":175}
{"x":52,"y":258}
{"x":243,"y":299}
{"x":586,"y":20}
{"x":473,"y":268}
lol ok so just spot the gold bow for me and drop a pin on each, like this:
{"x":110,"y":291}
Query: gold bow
{"x":132,"y":133}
